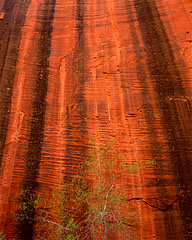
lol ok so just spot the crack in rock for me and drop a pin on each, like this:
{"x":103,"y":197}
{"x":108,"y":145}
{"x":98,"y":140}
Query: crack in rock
{"x":158,"y":203}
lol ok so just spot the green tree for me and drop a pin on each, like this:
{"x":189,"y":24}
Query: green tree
{"x":92,"y":203}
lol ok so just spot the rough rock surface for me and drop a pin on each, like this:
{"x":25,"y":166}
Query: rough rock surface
{"x":117,"y":68}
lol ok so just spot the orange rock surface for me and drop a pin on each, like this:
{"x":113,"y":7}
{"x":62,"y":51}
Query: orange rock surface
{"x":116,"y":68}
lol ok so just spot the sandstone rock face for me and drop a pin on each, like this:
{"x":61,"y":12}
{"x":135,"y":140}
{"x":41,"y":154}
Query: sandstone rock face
{"x":116,"y":68}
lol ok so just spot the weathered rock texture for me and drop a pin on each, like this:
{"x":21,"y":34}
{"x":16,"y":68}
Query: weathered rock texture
{"x":70,"y":69}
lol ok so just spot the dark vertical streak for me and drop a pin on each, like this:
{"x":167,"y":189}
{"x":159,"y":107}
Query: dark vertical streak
{"x":76,"y":128}
{"x":10,"y":32}
{"x":155,"y":144}
{"x":30,"y":184}
{"x":76,"y":133}
{"x":141,"y":75}
{"x":168,"y":85}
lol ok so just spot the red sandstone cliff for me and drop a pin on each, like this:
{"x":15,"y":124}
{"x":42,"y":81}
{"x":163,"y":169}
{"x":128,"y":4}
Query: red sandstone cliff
{"x":117,"y":68}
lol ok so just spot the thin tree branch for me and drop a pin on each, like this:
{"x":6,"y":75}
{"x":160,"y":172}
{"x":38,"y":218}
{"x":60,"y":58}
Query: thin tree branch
{"x":107,"y":195}
{"x":57,"y":224}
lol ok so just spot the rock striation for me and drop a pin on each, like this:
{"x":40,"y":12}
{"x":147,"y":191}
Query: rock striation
{"x":116,"y":68}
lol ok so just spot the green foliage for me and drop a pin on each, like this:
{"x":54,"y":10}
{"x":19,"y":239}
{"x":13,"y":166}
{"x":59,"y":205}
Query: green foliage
{"x":108,"y":205}
{"x":56,"y":214}
{"x":2,"y":236}
{"x":27,"y":208}
{"x":90,"y":204}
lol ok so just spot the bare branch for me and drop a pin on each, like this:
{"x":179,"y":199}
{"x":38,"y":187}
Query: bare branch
{"x":107,"y":195}
{"x":62,"y":227}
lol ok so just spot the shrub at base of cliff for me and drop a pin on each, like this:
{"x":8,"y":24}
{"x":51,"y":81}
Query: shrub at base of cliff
{"x":92,"y":204}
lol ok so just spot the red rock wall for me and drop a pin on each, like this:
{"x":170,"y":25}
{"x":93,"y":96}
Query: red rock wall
{"x":116,"y":68}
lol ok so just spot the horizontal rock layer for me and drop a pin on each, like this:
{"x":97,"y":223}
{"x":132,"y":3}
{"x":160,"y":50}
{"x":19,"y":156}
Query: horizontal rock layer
{"x":116,"y":68}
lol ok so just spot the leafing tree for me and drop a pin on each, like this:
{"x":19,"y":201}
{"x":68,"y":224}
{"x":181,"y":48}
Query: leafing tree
{"x":93,"y":203}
